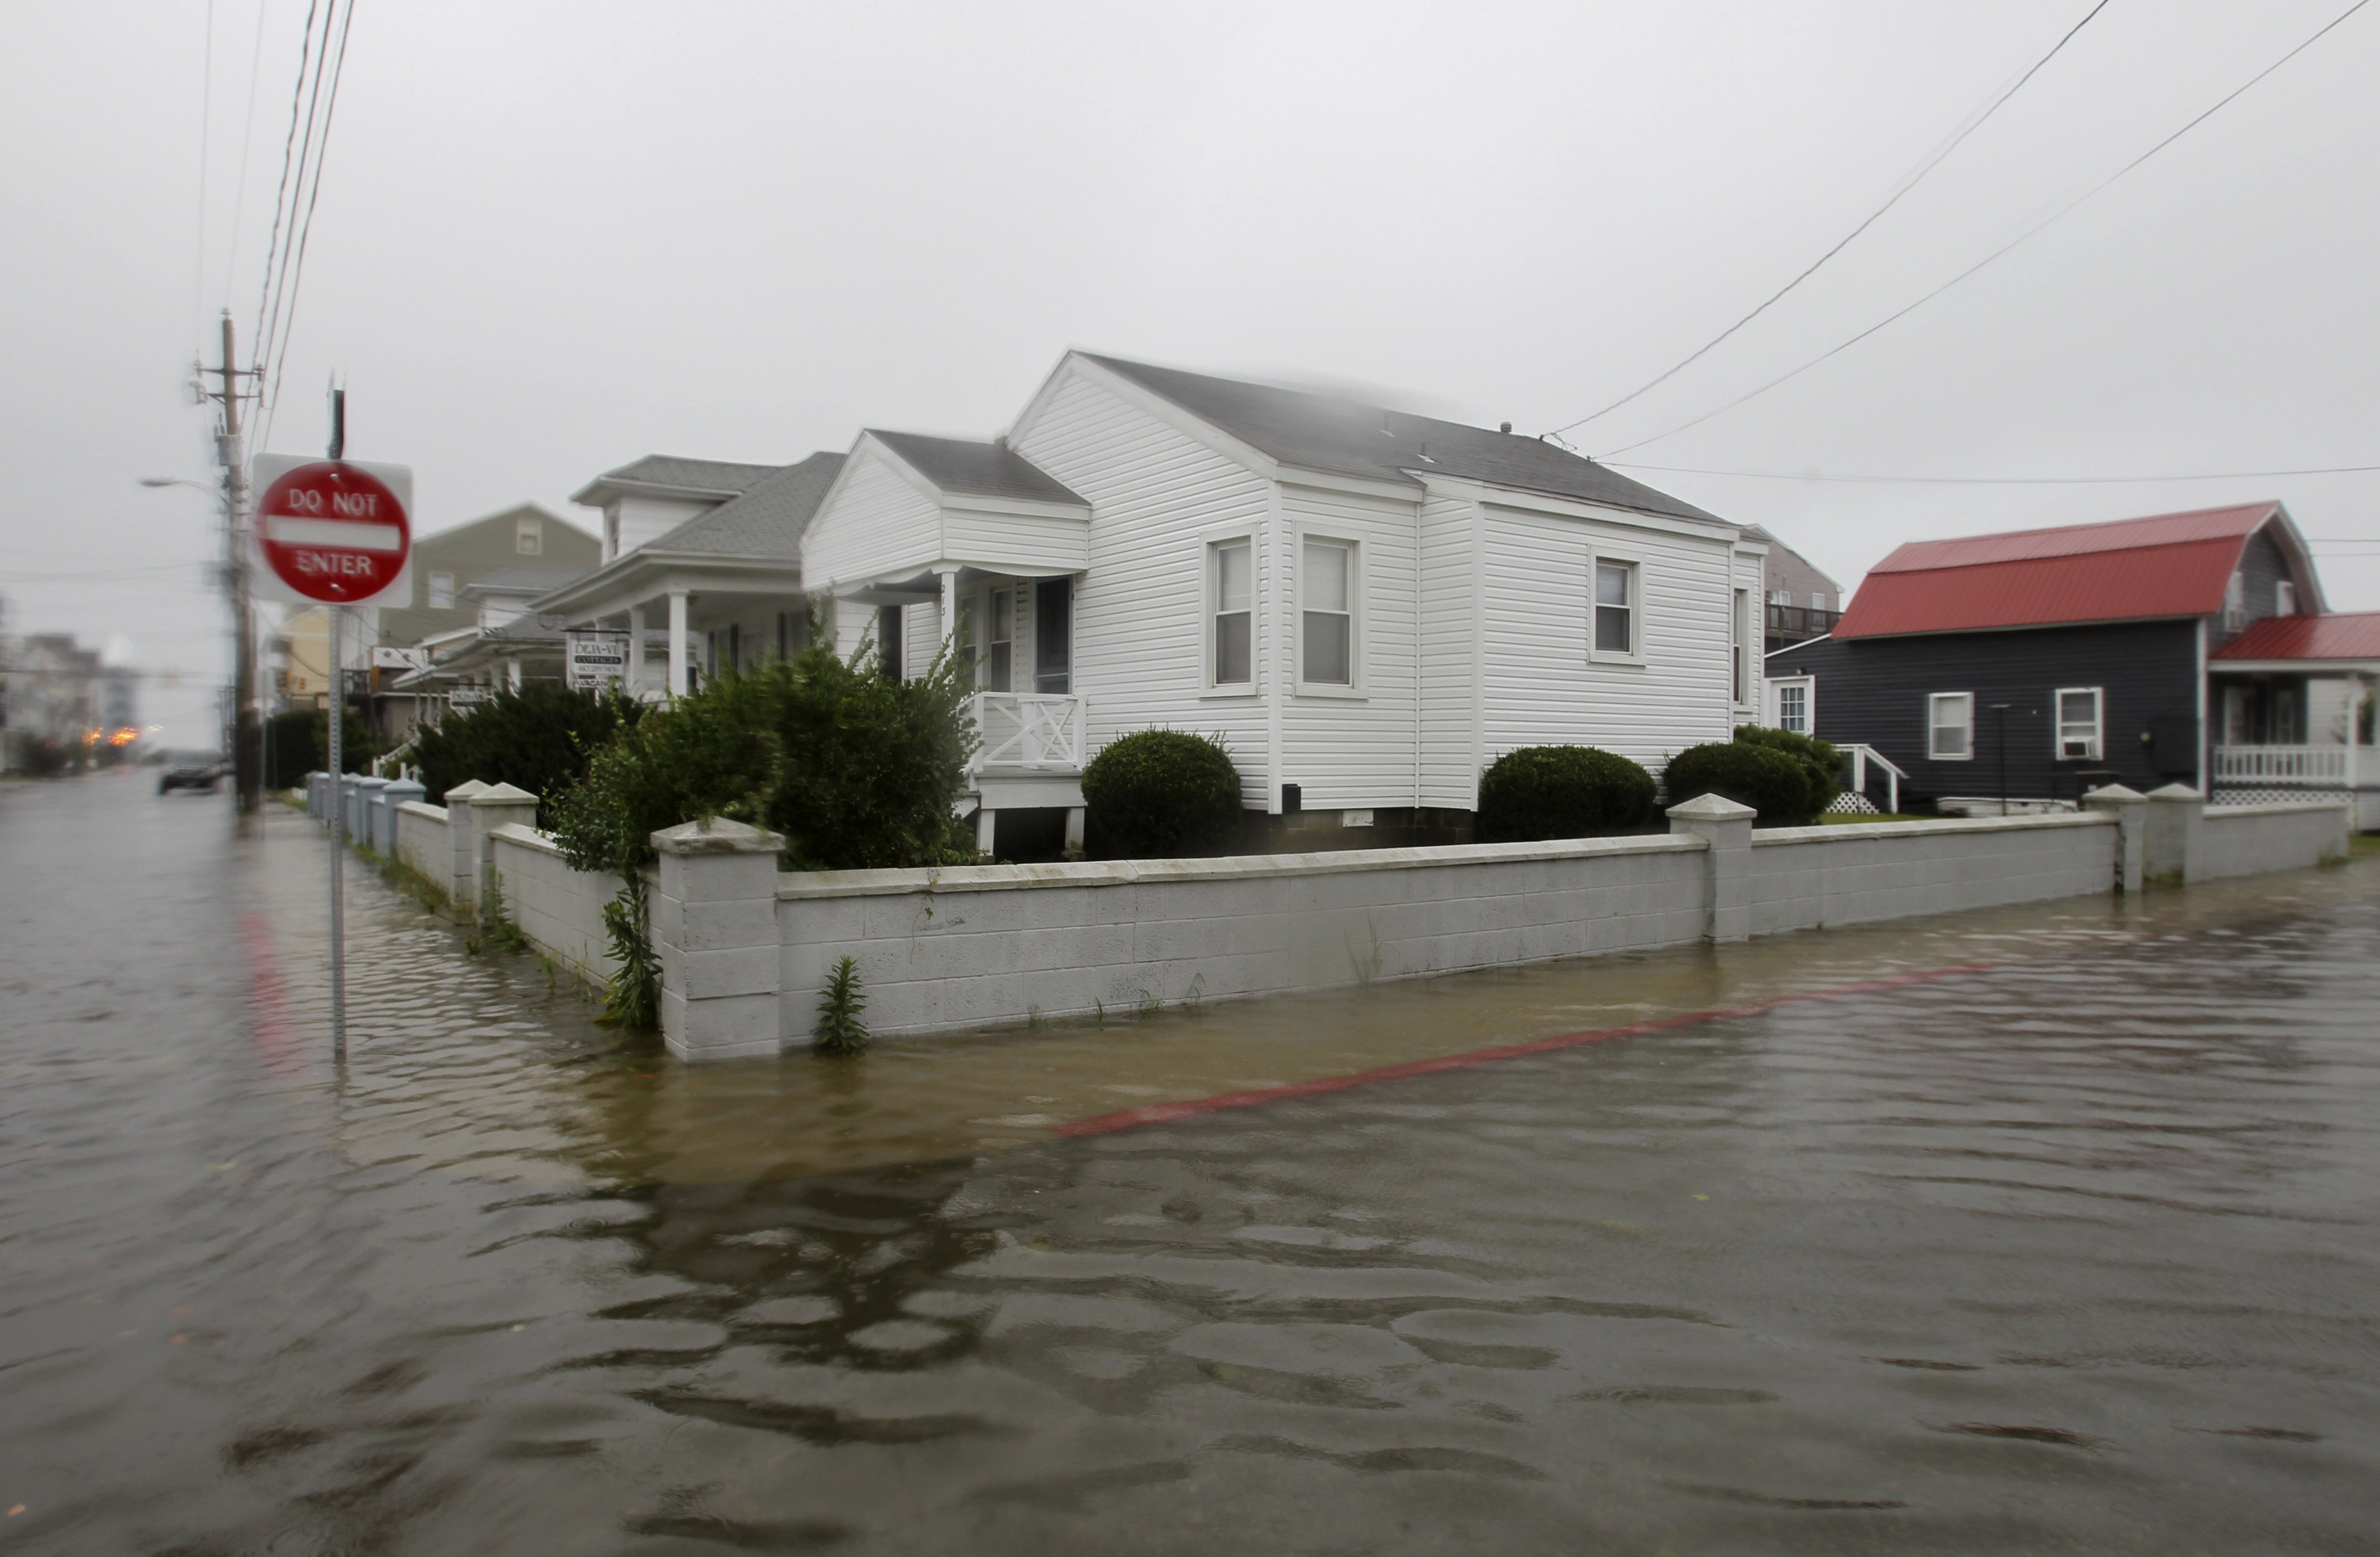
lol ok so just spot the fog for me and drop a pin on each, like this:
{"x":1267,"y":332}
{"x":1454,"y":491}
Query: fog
{"x":553,"y":237}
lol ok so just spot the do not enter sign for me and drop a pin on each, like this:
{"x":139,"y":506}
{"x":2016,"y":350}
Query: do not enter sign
{"x":333,"y":530}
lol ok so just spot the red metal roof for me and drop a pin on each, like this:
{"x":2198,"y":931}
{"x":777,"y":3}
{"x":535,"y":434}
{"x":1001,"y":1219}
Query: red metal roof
{"x":2350,"y":636}
{"x":2169,"y":565}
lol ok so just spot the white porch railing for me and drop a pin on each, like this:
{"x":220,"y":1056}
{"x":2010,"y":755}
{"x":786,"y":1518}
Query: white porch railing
{"x":1032,"y":730}
{"x":1859,"y":755}
{"x":2286,"y":764}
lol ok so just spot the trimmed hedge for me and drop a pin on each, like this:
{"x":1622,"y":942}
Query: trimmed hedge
{"x":1768,"y":781}
{"x":1161,"y":795}
{"x":1560,"y":791}
{"x":1823,"y":760}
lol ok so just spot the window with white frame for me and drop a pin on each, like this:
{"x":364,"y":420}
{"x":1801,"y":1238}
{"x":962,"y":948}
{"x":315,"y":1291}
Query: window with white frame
{"x":1000,"y":647}
{"x":1325,"y":628}
{"x":1794,"y":703}
{"x":1950,"y":727}
{"x":2285,"y":598}
{"x":1739,"y":640}
{"x":529,"y":537}
{"x":1615,"y":607}
{"x":2235,"y":603}
{"x":442,"y":591}
{"x":1231,"y":595}
{"x":2079,"y":726}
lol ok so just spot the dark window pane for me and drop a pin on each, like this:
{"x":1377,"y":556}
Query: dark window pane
{"x":1611,"y":634}
{"x":1326,"y":637}
{"x":1233,"y":663}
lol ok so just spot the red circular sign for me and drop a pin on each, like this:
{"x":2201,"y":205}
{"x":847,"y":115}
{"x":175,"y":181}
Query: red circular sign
{"x":334,"y":531}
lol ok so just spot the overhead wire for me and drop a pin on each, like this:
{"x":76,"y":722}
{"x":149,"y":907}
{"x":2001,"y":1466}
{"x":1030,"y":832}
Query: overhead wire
{"x":305,"y":228}
{"x":1908,"y":183}
{"x":206,"y":126}
{"x":247,"y":135}
{"x":1990,"y":481}
{"x":281,"y":194}
{"x":2062,"y":211}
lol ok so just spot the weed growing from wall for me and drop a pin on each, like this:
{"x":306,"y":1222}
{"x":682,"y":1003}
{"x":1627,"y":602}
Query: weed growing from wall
{"x":839,"y":1029}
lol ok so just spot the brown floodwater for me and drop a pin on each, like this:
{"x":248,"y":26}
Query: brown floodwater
{"x":2073,"y":1250}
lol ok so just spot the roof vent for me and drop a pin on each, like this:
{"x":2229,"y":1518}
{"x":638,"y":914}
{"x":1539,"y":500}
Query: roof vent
{"x":1503,"y":427}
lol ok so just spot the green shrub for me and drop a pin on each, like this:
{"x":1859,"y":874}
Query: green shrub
{"x":1823,"y":760}
{"x":298,"y":742}
{"x":1560,"y":791}
{"x":872,"y":767}
{"x":1768,"y":781}
{"x":1161,"y":795}
{"x":536,"y":736}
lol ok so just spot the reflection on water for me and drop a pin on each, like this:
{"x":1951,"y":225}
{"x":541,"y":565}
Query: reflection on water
{"x":2075,"y":1253}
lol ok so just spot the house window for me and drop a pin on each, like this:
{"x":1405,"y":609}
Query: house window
{"x":442,"y":591}
{"x":1739,"y":635}
{"x":2285,"y":598}
{"x":1053,"y":636}
{"x":2078,"y":722}
{"x":1818,"y":599}
{"x":1615,"y":607}
{"x":528,"y":538}
{"x":1950,"y":727}
{"x":1000,"y":655}
{"x":888,"y":641}
{"x":1327,"y":619}
{"x":1795,"y":703}
{"x":2235,"y":603}
{"x":1232,"y":578}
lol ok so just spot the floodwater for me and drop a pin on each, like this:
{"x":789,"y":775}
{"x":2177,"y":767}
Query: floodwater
{"x":2074,"y":1250}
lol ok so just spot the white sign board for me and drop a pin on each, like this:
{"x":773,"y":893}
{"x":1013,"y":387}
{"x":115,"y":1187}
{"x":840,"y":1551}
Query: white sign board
{"x":595,"y":658}
{"x":387,"y":658}
{"x":469,"y":697}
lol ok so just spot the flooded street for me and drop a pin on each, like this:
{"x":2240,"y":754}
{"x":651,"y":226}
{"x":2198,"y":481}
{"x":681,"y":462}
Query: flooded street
{"x":2054,"y":1230}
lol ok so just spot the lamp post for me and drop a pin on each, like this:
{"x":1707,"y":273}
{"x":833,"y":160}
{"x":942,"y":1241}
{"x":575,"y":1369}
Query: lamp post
{"x":238,"y":741}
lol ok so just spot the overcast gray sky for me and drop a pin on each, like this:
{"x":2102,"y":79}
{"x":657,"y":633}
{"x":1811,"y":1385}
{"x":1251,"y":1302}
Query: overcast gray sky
{"x":552,"y":237}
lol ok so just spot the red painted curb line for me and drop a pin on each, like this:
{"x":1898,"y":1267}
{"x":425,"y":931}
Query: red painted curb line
{"x":1161,"y":1114}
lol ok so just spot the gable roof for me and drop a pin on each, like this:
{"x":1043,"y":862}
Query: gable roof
{"x":714,"y":477}
{"x":1347,"y":437}
{"x":964,"y":468}
{"x":502,"y":518}
{"x":2348,"y":635}
{"x":766,"y":521}
{"x":523,"y":581}
{"x":2164,"y":566}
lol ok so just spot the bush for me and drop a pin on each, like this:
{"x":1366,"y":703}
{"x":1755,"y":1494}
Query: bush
{"x":536,"y":736}
{"x":298,"y":741}
{"x":871,"y":766}
{"x":1823,"y":760}
{"x":1158,"y":795}
{"x":1768,"y":781}
{"x":1560,"y":791}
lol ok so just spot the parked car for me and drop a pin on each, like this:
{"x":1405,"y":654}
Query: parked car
{"x":190,"y":770}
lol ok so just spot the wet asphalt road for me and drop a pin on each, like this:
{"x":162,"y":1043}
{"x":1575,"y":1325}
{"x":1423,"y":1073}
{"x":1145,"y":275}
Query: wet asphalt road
{"x":2075,"y":1254}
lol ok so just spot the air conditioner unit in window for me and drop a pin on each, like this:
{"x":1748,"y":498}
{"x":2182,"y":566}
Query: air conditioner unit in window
{"x":2075,"y":748}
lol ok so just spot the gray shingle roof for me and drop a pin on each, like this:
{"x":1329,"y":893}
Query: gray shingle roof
{"x":523,"y":581}
{"x":964,"y":468}
{"x":767,"y":521}
{"x":1320,"y":432}
{"x":695,"y":475}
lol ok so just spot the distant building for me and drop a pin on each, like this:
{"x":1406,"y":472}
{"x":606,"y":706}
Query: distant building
{"x":1799,"y":602}
{"x":59,"y":706}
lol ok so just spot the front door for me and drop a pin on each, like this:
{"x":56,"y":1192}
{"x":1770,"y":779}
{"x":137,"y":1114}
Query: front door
{"x":1053,"y":636}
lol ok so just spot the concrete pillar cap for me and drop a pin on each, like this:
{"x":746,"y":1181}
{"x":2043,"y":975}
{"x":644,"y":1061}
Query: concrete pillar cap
{"x":2115,"y":794}
{"x":463,"y":791}
{"x":2175,"y":792}
{"x":717,"y":836}
{"x":501,"y":794}
{"x":1712,"y":808}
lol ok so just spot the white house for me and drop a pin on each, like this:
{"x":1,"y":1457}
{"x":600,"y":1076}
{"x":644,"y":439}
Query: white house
{"x":1368,"y":607}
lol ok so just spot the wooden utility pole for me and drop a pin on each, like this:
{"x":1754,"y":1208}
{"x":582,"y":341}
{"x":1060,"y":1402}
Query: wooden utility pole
{"x":247,"y":734}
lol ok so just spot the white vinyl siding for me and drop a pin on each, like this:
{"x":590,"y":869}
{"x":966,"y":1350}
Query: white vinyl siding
{"x":1950,"y":727}
{"x":1158,"y":496}
{"x":876,"y":524}
{"x":1542,"y":686}
{"x":2079,"y":723}
{"x":1450,"y":654}
{"x":1355,"y":746}
{"x":637,"y":521}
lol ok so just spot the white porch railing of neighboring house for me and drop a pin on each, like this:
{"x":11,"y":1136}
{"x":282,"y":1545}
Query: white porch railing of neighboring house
{"x":2288,"y":764}
{"x":1859,"y":755}
{"x":1037,"y":731}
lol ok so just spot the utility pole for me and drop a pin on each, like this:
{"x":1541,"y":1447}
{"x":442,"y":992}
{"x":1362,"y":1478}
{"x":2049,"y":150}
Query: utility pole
{"x":246,"y":744}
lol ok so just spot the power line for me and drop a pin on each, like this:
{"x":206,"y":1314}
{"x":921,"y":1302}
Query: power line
{"x":306,"y":153}
{"x":1992,"y":481}
{"x":2221,"y":104}
{"x":206,"y":125}
{"x":1909,"y":183}
{"x":281,"y":193}
{"x":305,"y":228}
{"x":247,"y":132}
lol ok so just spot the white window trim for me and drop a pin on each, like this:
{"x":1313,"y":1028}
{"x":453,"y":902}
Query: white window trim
{"x":1809,"y":685}
{"x":1933,"y":756}
{"x":1354,"y":687}
{"x":1211,"y":603}
{"x":2285,"y":597}
{"x":2057,"y":724}
{"x":1746,"y":628}
{"x":1635,"y":566}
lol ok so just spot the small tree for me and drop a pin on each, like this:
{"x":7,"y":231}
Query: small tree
{"x":1159,"y":794}
{"x":872,"y":766}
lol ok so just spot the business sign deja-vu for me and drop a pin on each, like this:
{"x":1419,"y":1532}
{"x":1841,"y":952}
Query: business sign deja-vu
{"x":336,"y":531}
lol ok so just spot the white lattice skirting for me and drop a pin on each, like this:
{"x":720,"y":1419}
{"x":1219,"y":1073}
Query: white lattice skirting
{"x":1848,"y":804}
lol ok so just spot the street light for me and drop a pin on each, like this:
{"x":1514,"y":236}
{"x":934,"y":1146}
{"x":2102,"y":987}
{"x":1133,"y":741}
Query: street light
{"x":244,"y":687}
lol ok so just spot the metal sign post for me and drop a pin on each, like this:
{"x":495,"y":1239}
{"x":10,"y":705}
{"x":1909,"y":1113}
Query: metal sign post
{"x":335,"y":532}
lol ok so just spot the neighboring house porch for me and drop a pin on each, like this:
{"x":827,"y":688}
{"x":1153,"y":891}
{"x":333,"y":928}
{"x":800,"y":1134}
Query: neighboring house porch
{"x":2292,"y":703}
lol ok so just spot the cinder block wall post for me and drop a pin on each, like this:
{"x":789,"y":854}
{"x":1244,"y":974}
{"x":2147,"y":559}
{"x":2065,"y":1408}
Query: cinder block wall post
{"x":1725,"y":826}
{"x":491,"y":809}
{"x":398,"y":792}
{"x":463,"y":874}
{"x":2129,"y":807}
{"x":2177,"y":816}
{"x":366,"y":811}
{"x":714,"y":928}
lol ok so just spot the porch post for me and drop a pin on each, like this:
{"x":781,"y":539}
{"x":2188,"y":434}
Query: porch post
{"x":949,"y":577}
{"x":635,"y":651}
{"x":677,"y":643}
